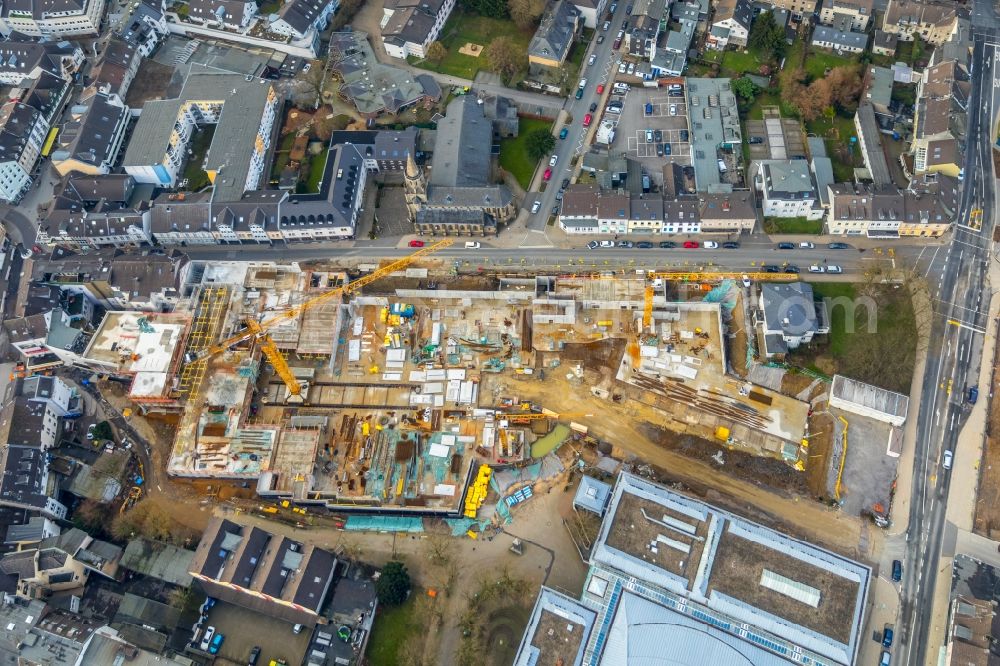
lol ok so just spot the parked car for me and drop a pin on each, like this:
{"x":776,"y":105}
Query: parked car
{"x":612,"y":8}
{"x":644,"y":245}
{"x":600,"y":88}
{"x":216,"y":644}
{"x":805,"y":245}
{"x":535,"y":207}
{"x":592,"y":59}
{"x":206,"y":640}
{"x":946,"y":461}
{"x":816,"y":269}
{"x":606,"y":26}
{"x":710,"y":245}
{"x":746,"y":280}
{"x":579,"y":93}
{"x":626,"y":244}
{"x":675,"y":87}
{"x":593,"y":245}
{"x":887,"y":634}
{"x":667,"y":245}
{"x":553,"y":160}
{"x":659,"y":150}
{"x":771,"y":268}
{"x":472,"y":245}
{"x":792,"y":268}
{"x":547,"y":175}
{"x":657,"y":136}
{"x":563,"y":132}
{"x":621,"y":66}
{"x":833,"y":268}
{"x":583,"y":84}
{"x":666,"y":149}
{"x":684,"y":135}
{"x":607,"y":243}
{"x":973,"y":395}
{"x":254,"y":656}
{"x":731,"y":245}
{"x":649,"y":136}
{"x":631,"y":68}
{"x":628,"y":10}
{"x":897,"y":570}
{"x":691,"y":245}
{"x":673,"y":109}
{"x":838,"y":246}
{"x":416,"y":243}
{"x":675,"y":93}
{"x":90,"y":431}
{"x":587,"y":119}
{"x":593,"y":107}
{"x":886,"y":658}
{"x":600,"y":39}
{"x":565,"y":183}
{"x":786,"y":246}
{"x":756,"y":139}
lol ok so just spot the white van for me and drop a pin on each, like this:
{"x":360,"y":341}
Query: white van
{"x":471,"y":245}
{"x":722,"y":166}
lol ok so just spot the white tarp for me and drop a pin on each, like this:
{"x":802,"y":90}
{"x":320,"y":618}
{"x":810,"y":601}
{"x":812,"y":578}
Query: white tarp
{"x":354,"y":351}
{"x":440,"y":450}
{"x":444,"y":489}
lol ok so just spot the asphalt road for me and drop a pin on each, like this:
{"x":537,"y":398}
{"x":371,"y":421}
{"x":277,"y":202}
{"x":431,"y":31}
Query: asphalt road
{"x":954,"y":353}
{"x":751,"y":253}
{"x":601,"y":72}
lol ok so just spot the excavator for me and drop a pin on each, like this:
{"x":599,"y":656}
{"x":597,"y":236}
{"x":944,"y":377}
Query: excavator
{"x":257,"y":331}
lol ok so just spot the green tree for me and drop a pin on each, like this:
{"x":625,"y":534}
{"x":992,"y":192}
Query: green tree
{"x":767,"y":37}
{"x":393,"y":584}
{"x":504,"y":58}
{"x":103,"y":431}
{"x":490,"y":8}
{"x":540,"y":143}
{"x":436,"y":52}
{"x":745,"y":89}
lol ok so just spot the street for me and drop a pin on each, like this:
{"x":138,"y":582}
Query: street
{"x":954,"y":355}
{"x":601,"y":72}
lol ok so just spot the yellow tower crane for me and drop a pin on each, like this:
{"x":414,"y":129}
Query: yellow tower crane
{"x":700,"y":276}
{"x":647,"y":310}
{"x":258,"y":330}
{"x":535,"y":416}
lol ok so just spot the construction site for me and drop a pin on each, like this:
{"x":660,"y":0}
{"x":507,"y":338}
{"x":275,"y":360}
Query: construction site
{"x":378,"y":390}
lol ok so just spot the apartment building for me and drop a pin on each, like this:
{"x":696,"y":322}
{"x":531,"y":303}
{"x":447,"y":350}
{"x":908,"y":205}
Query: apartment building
{"x":57,"y":19}
{"x":787,"y":189}
{"x":92,"y":136}
{"x":23,"y":129}
{"x":231,"y":14}
{"x":733,"y":19}
{"x":409,"y":26}
{"x":853,"y":13}
{"x":932,"y":21}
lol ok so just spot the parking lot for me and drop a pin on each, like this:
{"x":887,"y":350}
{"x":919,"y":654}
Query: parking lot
{"x":244,"y":629}
{"x":652,"y":128}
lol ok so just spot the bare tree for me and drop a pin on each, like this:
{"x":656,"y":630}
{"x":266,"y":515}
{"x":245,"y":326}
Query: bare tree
{"x":504,"y":58}
{"x":436,"y":52}
{"x":525,"y":13}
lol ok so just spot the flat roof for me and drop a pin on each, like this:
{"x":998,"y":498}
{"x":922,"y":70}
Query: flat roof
{"x":870,"y":397}
{"x":795,"y":592}
{"x":715,"y":120}
{"x":133,"y":346}
{"x":557,"y":631}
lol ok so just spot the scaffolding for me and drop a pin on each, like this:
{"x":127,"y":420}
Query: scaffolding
{"x":212,"y":304}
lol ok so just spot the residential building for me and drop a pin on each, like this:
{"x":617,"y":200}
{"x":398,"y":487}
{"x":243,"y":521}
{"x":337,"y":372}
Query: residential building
{"x":680,"y":216}
{"x":462,"y":196}
{"x":182,"y":219}
{"x":409,"y":26}
{"x":333,"y":212}
{"x":554,"y":37}
{"x":23,"y":61}
{"x":859,"y":12}
{"x":641,"y":39}
{"x":714,"y":119}
{"x":60,"y":563}
{"x":302,"y":19}
{"x":787,"y":189}
{"x":243,"y":113}
{"x":939,"y":123}
{"x":731,"y":25}
{"x":372,"y":87}
{"x":45,"y":340}
{"x":789,"y":316}
{"x":838,"y":40}
{"x":270,"y":574}
{"x":388,"y":148}
{"x":578,"y":214}
{"x":727,"y":601}
{"x":933,"y":21}
{"x":91,"y":137}
{"x":86,"y":227}
{"x":870,"y":142}
{"x":926,"y":208}
{"x":797,"y":8}
{"x":878,"y":88}
{"x":727,"y":212}
{"x":56,"y":20}
{"x":885,"y":43}
{"x":114,"y":72}
{"x":231,"y":14}
{"x":146,"y":26}
{"x":591,"y":11}
{"x":23,"y":129}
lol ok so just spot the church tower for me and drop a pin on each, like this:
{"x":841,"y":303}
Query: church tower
{"x":414,"y":188}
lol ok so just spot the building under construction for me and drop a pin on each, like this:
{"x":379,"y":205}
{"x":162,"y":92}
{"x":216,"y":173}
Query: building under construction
{"x":394,"y":397}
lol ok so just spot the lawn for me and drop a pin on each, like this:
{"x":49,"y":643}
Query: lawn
{"x":735,"y":63}
{"x":281,"y":154}
{"x":817,"y":62}
{"x":393,"y":627}
{"x":756,"y":111}
{"x":837,"y":134}
{"x":911,"y":52}
{"x":196,"y":177}
{"x":792,"y":225}
{"x":463,"y":28}
{"x":882,"y":354}
{"x":317,"y":165}
{"x":514,"y":156}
